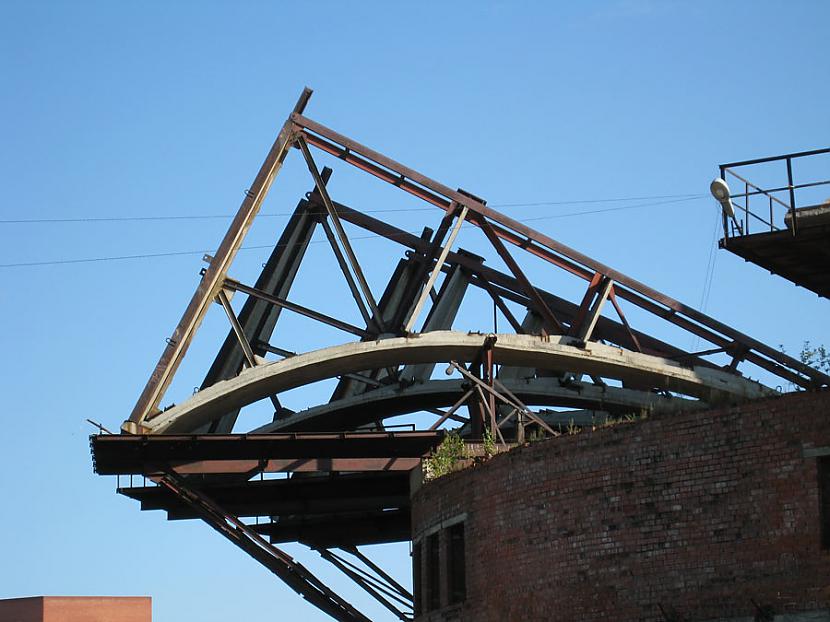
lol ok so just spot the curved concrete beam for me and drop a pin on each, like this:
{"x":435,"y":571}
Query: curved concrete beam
{"x":554,"y":352}
{"x":392,"y":401}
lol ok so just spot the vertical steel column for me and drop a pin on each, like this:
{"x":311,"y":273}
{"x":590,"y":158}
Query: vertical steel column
{"x":792,"y":194}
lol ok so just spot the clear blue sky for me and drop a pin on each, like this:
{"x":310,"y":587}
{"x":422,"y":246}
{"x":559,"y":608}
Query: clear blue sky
{"x":167,"y":108}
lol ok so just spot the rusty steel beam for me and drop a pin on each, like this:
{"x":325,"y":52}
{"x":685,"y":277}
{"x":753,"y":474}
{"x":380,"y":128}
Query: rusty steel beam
{"x":125,"y":454}
{"x":510,"y":288}
{"x":257,"y":317}
{"x":294,"y":574}
{"x":351,"y":492}
{"x":253,"y":467}
{"x":292,"y":306}
{"x":378,"y":591}
{"x":339,"y":530}
{"x":410,"y":324}
{"x":527,"y":287}
{"x":211,"y":283}
{"x":426,"y":259}
{"x":547,"y":248}
{"x":341,"y":233}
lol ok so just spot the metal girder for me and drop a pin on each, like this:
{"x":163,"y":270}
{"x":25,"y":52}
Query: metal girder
{"x":508,"y":287}
{"x":390,"y":595}
{"x":396,"y":298}
{"x":427,"y":289}
{"x":281,"y":303}
{"x":259,"y":317}
{"x":352,"y":492}
{"x":294,"y":574}
{"x":211,"y":282}
{"x":545,"y":247}
{"x":353,"y":264}
{"x":553,"y":323}
{"x":386,"y":374}
{"x":250,"y":467}
{"x":125,"y":454}
{"x":340,"y":529}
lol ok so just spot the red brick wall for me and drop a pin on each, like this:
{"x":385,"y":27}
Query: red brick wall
{"x":700,"y":513}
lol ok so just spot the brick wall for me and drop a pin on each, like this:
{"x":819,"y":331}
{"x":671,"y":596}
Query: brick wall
{"x":700,"y":514}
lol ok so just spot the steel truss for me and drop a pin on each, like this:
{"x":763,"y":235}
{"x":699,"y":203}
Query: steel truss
{"x":352,"y":487}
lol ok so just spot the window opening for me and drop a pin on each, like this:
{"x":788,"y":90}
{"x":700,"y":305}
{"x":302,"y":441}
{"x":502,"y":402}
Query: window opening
{"x":824,"y":499}
{"x":456,"y":569}
{"x":433,"y":573}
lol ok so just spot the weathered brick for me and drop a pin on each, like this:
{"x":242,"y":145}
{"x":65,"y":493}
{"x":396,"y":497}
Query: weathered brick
{"x":699,"y":513}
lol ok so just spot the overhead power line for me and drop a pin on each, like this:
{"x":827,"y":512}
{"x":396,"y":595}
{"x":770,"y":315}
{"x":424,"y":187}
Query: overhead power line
{"x":94,"y":219}
{"x":683,"y":198}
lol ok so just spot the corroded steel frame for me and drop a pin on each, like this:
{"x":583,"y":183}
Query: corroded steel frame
{"x":302,"y":132}
{"x":491,"y":399}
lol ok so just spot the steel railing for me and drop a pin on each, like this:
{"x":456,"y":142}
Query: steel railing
{"x":771,"y":213}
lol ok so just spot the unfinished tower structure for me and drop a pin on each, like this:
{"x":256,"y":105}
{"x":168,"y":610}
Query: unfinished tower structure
{"x":348,"y":476}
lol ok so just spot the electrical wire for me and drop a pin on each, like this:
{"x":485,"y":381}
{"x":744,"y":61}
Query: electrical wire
{"x":371,"y":236}
{"x":93,"y":219}
{"x":611,"y":209}
{"x":709,"y":274}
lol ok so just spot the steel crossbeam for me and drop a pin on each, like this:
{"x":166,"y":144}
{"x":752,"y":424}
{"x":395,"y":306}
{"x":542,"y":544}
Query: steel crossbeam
{"x":390,"y":371}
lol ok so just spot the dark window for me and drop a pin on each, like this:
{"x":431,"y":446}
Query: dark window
{"x":416,"y":577}
{"x":824,"y":499}
{"x":433,"y":573}
{"x":456,"y":570}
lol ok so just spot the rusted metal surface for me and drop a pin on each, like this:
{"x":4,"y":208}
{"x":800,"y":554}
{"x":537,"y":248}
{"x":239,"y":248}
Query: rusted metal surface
{"x":343,"y":480}
{"x":557,"y":253}
{"x":294,"y":574}
{"x":211,"y":282}
{"x":124,"y":454}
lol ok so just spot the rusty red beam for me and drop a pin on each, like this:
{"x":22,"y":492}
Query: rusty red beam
{"x":135,"y":454}
{"x":211,"y":283}
{"x":538,"y":302}
{"x":291,"y":465}
{"x":291,"y":306}
{"x":484,"y":276}
{"x":524,"y":237}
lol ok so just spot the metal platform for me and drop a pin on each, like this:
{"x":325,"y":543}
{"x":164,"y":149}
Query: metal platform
{"x":771,"y":229}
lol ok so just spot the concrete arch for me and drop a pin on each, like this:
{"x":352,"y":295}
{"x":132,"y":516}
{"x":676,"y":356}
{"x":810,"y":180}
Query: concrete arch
{"x":390,"y":401}
{"x":554,"y":352}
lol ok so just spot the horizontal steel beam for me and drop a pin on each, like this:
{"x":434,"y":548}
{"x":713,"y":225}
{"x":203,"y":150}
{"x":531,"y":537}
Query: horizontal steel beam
{"x":126,"y":454}
{"x":354,"y":492}
{"x":292,"y":465}
{"x":340,"y":530}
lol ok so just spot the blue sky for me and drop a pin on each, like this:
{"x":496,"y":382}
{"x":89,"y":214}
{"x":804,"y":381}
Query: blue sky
{"x":167,"y":108}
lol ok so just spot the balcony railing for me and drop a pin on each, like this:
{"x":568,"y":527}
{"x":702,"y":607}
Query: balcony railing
{"x":780,"y":205}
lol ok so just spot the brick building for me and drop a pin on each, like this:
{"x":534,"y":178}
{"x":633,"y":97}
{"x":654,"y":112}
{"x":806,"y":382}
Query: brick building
{"x":716,"y":515}
{"x":76,"y":609}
